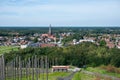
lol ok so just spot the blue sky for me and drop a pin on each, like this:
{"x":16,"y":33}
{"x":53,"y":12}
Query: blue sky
{"x":60,"y":12}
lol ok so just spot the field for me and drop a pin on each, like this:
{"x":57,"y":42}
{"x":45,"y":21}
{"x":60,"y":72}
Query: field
{"x":102,"y":71}
{"x":6,"y":49}
{"x":82,"y":76}
{"x":98,"y":73}
{"x":51,"y":76}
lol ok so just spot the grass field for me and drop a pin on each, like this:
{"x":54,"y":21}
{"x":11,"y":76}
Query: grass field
{"x":51,"y":76}
{"x":6,"y":49}
{"x":102,"y":71}
{"x":77,"y":76}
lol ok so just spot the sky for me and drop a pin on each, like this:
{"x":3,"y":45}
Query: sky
{"x":60,"y":12}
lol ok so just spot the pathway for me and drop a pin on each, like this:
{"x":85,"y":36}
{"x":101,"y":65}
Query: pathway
{"x":102,"y":75}
{"x":68,"y":77}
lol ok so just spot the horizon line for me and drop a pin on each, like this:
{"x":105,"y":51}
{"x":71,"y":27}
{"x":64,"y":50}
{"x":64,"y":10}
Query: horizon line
{"x":59,"y":26}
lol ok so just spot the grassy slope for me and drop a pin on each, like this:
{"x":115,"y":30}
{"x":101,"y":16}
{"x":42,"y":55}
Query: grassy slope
{"x":102,"y":71}
{"x":6,"y":49}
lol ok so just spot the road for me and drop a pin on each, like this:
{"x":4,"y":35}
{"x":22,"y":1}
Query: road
{"x":101,"y":75}
{"x":68,"y":77}
{"x":90,"y":73}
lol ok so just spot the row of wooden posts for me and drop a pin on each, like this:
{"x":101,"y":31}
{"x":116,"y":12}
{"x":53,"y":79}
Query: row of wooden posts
{"x":33,"y":68}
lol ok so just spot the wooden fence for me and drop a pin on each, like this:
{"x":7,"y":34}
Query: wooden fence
{"x":33,"y":68}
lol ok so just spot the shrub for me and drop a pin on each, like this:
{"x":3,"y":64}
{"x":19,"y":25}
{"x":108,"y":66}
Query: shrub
{"x":107,"y":78}
{"x":111,"y":68}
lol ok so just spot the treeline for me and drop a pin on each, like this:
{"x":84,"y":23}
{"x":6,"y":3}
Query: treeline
{"x":6,"y":31}
{"x":87,"y":53}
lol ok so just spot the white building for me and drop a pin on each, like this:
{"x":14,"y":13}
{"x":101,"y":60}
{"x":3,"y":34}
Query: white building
{"x":86,"y":40}
{"x":23,"y":46}
{"x":118,"y":47}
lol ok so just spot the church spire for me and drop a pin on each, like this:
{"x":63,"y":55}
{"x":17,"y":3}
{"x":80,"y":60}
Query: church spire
{"x":50,"y":32}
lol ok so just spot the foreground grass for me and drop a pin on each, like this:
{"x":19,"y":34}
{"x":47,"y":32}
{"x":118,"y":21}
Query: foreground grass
{"x":51,"y":76}
{"x":82,"y":76}
{"x":102,"y":71}
{"x":6,"y":49}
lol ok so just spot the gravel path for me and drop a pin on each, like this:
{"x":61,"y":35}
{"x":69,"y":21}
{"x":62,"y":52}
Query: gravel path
{"x":102,"y":75}
{"x":90,"y":73}
{"x":68,"y":77}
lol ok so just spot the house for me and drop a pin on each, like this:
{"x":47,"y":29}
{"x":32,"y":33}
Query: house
{"x":118,"y":46}
{"x":86,"y":40}
{"x":23,"y":46}
{"x":23,"y":42}
{"x":110,"y":45}
{"x":34,"y":45}
{"x":48,"y":45}
{"x":48,"y":37}
{"x":1,"y":38}
{"x":60,"y":68}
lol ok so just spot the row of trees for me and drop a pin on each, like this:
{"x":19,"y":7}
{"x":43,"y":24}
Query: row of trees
{"x":78,"y":55}
{"x":6,"y":31}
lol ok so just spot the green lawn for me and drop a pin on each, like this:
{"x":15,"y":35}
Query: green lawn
{"x":102,"y":71}
{"x":6,"y":49}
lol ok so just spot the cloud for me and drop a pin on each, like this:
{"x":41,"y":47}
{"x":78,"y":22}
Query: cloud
{"x":78,"y":13}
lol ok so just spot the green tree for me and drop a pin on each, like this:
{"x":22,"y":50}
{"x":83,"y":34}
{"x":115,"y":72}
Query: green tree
{"x":35,"y":40}
{"x":102,"y":43}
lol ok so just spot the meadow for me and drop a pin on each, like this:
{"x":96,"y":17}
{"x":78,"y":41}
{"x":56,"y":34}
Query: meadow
{"x":105,"y":70}
{"x":51,"y":76}
{"x":7,"y":49}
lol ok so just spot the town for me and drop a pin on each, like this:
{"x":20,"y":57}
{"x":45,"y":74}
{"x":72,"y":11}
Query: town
{"x":51,"y":39}
{"x":59,"y":39}
{"x":59,"y":53}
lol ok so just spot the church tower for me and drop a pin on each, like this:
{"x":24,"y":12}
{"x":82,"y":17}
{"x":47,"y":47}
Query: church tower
{"x":50,"y":31}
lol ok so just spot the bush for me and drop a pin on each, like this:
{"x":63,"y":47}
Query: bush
{"x":111,"y":68}
{"x":107,"y":78}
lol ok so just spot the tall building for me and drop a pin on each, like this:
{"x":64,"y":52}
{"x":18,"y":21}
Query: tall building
{"x":50,"y":31}
{"x":49,"y":36}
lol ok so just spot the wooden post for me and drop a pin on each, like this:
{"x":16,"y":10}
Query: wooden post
{"x":36,"y":67}
{"x":17,"y":67}
{"x":0,"y":68}
{"x":46,"y":61}
{"x":29,"y":69}
{"x":3,"y":68}
{"x":39,"y":66}
{"x":12,"y":70}
{"x":20,"y":69}
{"x":6,"y":67}
{"x":23,"y":68}
{"x":42,"y":67}
{"x":32,"y":68}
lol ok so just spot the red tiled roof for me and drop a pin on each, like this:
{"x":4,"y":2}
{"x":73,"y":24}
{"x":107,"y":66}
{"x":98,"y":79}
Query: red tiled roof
{"x":111,"y":45}
{"x":60,"y":67}
{"x":48,"y":45}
